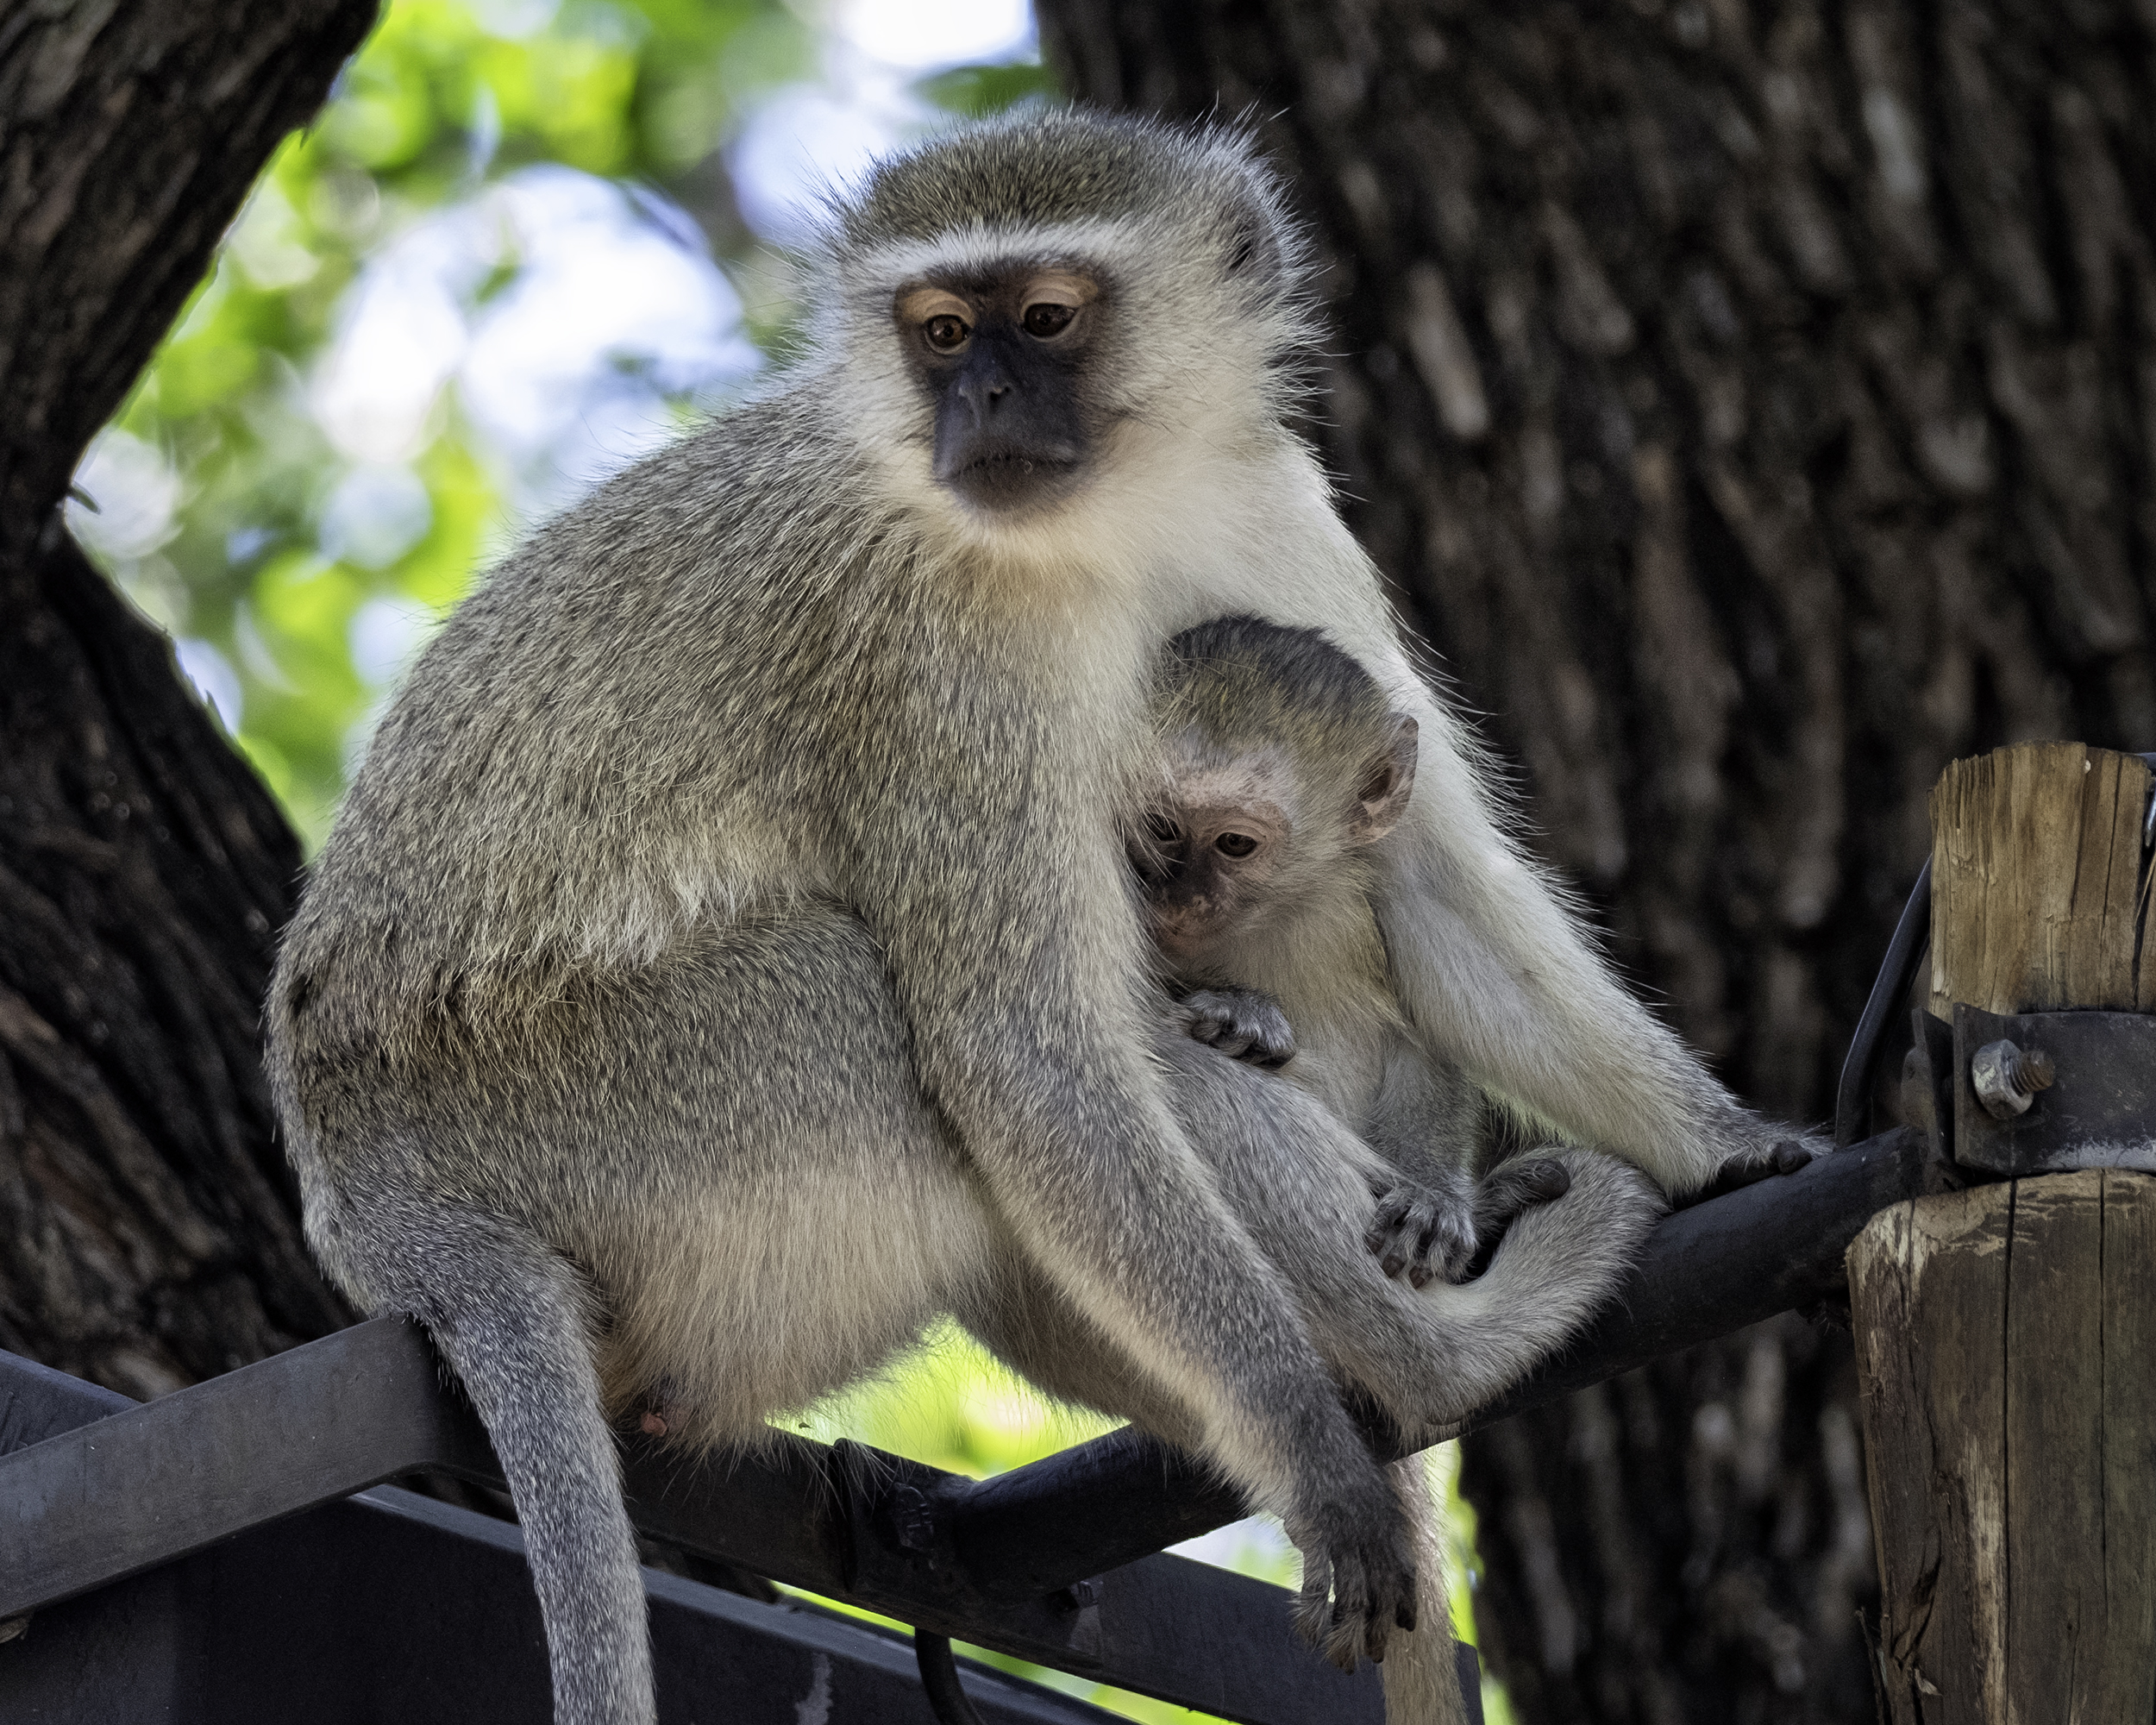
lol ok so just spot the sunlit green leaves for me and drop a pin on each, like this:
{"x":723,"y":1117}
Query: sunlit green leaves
{"x":290,"y":621}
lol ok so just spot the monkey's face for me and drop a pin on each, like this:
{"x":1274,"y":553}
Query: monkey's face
{"x":1004,"y":353}
{"x":1216,"y":846}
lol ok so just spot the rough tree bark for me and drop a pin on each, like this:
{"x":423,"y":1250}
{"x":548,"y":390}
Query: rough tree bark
{"x":1756,"y":406}
{"x":151,"y":1231}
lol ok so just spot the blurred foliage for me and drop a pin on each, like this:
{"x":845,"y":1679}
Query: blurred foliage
{"x":214,"y":499}
{"x":212,"y":517}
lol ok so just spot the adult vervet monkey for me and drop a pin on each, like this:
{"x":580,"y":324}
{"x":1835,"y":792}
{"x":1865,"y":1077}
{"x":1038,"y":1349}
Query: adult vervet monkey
{"x":725,"y":958}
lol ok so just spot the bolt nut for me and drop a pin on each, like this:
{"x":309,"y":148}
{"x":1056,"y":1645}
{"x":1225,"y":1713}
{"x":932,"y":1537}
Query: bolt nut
{"x":2006,"y":1080}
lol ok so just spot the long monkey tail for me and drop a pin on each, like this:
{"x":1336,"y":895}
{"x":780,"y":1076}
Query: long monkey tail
{"x":1558,"y":1264}
{"x":1421,"y":1673}
{"x":509,"y":1316}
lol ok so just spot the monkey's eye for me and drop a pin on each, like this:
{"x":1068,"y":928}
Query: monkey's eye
{"x":1163,"y":828}
{"x":946,"y":334}
{"x":1045,"y":321}
{"x":1235,"y":844}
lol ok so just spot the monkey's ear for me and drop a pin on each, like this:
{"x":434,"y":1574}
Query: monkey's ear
{"x":1382,"y":798}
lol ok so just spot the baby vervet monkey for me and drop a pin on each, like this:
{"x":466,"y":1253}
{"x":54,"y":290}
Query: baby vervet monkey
{"x":1282,"y":762}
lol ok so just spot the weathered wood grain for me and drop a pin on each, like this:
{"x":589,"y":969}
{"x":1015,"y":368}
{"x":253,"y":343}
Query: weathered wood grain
{"x":2003,"y":1333}
{"x":2036,"y":879}
{"x":2008,"y":1408}
{"x":1932,"y":1410}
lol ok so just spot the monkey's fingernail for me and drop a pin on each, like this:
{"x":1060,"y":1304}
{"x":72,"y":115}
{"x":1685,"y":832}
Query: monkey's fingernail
{"x":1394,"y":1264}
{"x":1419,"y":1276}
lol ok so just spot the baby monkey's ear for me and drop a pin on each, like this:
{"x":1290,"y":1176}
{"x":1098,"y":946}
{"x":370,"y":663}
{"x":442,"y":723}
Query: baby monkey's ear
{"x":1382,"y":797}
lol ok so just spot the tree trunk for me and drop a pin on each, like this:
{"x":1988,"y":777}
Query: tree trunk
{"x":151,"y":1228}
{"x":1757,"y":409}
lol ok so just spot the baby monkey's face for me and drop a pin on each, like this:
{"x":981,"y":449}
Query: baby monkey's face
{"x":1236,"y":840}
{"x":1221,"y":842}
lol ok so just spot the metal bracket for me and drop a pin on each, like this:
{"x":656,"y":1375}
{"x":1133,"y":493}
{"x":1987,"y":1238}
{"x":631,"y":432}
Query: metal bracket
{"x":902,"y":1557}
{"x":2099,"y":1112}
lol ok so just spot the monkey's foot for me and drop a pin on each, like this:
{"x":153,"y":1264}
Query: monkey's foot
{"x":1241,"y":1023}
{"x":1514,"y":1186}
{"x":1428,"y":1232}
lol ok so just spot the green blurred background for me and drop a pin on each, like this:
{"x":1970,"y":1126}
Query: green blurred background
{"x":526,"y":243}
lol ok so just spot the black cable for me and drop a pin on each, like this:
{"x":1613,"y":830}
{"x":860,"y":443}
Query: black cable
{"x":1853,"y":1097}
{"x":939,"y":1676}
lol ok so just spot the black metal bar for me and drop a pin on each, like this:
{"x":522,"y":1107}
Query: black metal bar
{"x":1912,"y":933}
{"x":1000,"y":1559}
{"x":143,"y":1487}
{"x":156,"y":1482}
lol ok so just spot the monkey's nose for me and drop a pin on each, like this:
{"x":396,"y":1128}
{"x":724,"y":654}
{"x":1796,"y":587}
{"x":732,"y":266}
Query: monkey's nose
{"x":983,"y":396}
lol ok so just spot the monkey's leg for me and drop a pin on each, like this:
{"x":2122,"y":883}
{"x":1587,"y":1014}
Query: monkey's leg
{"x":731,"y":1145}
{"x":1032,"y":1328}
{"x":1300,"y":1182}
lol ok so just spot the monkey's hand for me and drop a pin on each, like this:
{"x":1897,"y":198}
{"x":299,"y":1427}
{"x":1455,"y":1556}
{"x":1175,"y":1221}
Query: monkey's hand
{"x":1358,"y":1570}
{"x":1241,"y":1023}
{"x":1785,"y":1153}
{"x":1428,"y":1231}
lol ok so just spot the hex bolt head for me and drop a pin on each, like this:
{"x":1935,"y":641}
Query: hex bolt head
{"x":2006,"y":1080}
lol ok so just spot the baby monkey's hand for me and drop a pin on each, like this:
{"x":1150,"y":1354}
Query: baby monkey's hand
{"x":1242,"y":1024}
{"x":1433,"y":1231}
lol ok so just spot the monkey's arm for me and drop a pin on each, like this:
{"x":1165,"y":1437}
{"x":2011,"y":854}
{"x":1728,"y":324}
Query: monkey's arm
{"x":1493,"y":967}
{"x":1498,"y":972}
{"x":1022,"y":988}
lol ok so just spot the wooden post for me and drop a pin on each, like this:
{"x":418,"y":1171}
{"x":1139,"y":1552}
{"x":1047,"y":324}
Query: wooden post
{"x":2006,"y":1335}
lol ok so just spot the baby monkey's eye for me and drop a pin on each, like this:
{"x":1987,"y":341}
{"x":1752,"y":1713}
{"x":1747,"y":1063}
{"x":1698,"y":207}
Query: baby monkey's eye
{"x":1163,"y":828}
{"x":1046,"y":320}
{"x":1235,"y":844}
{"x":946,"y":334}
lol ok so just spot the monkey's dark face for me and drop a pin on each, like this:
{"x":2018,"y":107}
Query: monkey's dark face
{"x":1004,"y":356}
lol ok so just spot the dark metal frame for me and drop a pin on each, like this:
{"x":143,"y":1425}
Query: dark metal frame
{"x":1058,"y":1563}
